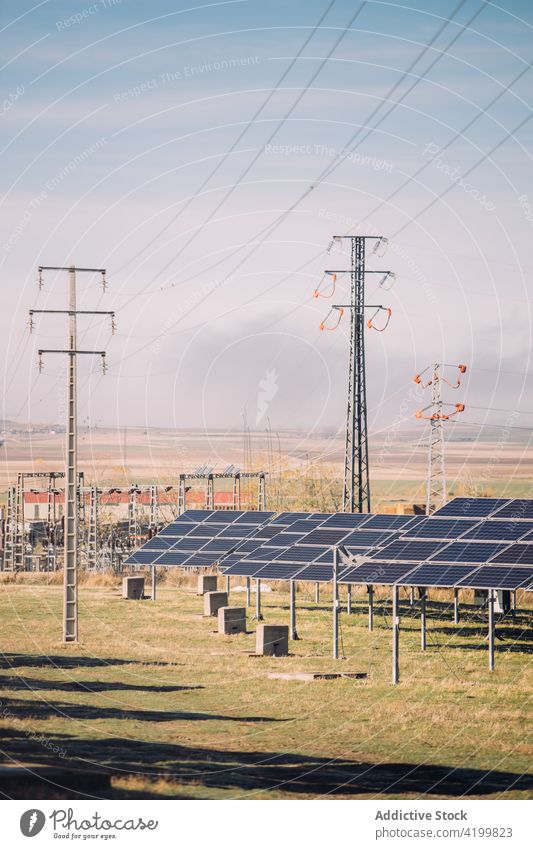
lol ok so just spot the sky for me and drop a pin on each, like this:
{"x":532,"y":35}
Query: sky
{"x":205,"y":154}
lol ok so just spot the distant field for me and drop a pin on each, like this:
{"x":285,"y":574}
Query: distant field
{"x":304,"y":469}
{"x":174,"y":710}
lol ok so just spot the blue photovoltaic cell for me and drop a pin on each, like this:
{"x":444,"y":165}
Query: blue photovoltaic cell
{"x":316,"y":573}
{"x":195,"y":515}
{"x":177,"y":529}
{"x":470,"y":508}
{"x":518,"y":508}
{"x":224,"y":517}
{"x":186,"y":544}
{"x":529,"y":536}
{"x":267,"y":532}
{"x":200,"y":532}
{"x":492,"y":530}
{"x":200,"y":560}
{"x":245,"y":570}
{"x":366,"y":539}
{"x":248,"y":545}
{"x":264,"y":554}
{"x":498,"y":578}
{"x":321,"y":516}
{"x":520,"y":554}
{"x":303,"y":526}
{"x":325,"y":537}
{"x":173,"y":558}
{"x":232,"y":531}
{"x":157,"y":543}
{"x":217,"y":545}
{"x":300,"y":554}
{"x":431,"y":575}
{"x":413,"y":522}
{"x":386,"y":521}
{"x":282,"y":540}
{"x":384,"y":574}
{"x":468,"y":552}
{"x":278,"y":571}
{"x":346,"y":520}
{"x":439,"y":528}
{"x":254,"y":517}
{"x":288,"y":518}
{"x":407,"y":550}
{"x":143,"y":557}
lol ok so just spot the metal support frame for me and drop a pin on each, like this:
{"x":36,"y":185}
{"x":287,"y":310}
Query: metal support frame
{"x":317,"y":593}
{"x":153,"y":577}
{"x":349,"y":599}
{"x":395,"y":637}
{"x":209,"y":489}
{"x":335,"y":604}
{"x":248,"y":592}
{"x":93,"y":536}
{"x":423,"y":618}
{"x":154,"y":508}
{"x":490,"y":603}
{"x":258,"y":615}
{"x":456,"y":606}
{"x":370,"y":608}
{"x":292,"y":628}
{"x":228,"y":585}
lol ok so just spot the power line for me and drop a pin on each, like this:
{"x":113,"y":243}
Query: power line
{"x":237,"y":141}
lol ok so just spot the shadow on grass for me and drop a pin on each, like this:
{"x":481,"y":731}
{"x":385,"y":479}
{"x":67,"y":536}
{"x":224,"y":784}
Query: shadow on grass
{"x":22,"y":709}
{"x":33,"y":684}
{"x":10,"y":661}
{"x":240,"y":772}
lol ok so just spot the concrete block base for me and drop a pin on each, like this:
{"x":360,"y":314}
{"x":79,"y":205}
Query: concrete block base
{"x":232,"y":620}
{"x":132,"y":588}
{"x":213,"y":601}
{"x":207,"y":584}
{"x":272,"y":640}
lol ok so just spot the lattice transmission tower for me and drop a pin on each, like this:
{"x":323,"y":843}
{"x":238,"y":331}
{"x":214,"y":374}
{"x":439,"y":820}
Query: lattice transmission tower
{"x":356,"y":479}
{"x":437,"y":415}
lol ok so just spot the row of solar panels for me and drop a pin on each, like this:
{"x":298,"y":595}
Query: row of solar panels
{"x":259,"y":544}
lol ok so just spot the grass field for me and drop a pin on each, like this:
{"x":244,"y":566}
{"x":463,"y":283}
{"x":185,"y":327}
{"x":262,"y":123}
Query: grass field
{"x":174,"y":710}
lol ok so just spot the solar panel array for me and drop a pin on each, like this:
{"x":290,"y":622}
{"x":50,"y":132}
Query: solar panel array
{"x":469,"y":542}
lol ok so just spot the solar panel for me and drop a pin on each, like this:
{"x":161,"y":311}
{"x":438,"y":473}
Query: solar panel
{"x":407,"y":550}
{"x":384,"y":574}
{"x":498,"y":578}
{"x":304,"y":526}
{"x":176,"y":529}
{"x":245,"y":570}
{"x":529,"y":536}
{"x":186,"y":544}
{"x":284,"y":539}
{"x":267,"y":532}
{"x":324,"y":537}
{"x":386,"y":521}
{"x":248,"y":545}
{"x":224,"y":517}
{"x":254,"y":517}
{"x":300,"y":554}
{"x":200,"y":532}
{"x":520,"y":554}
{"x":232,"y":531}
{"x":287,"y":518}
{"x":470,"y":507}
{"x":468,"y":552}
{"x":278,"y":571}
{"x":219,"y":545}
{"x":431,"y":575}
{"x":157,"y":543}
{"x":346,"y":520}
{"x":200,"y":559}
{"x":366,"y":539}
{"x":195,"y":515}
{"x":316,"y":573}
{"x":518,"y":508}
{"x":173,"y":558}
{"x":143,"y":558}
{"x":495,"y":530}
{"x":431,"y":528}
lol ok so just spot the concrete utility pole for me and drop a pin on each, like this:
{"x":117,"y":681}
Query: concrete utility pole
{"x":70,"y":566}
